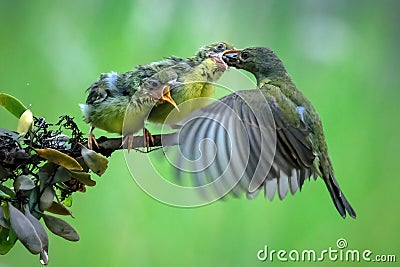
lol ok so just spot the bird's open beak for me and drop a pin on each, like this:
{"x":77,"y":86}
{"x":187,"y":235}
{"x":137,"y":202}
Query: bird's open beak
{"x":231,"y":57}
{"x":217,"y":57}
{"x":167,"y":97}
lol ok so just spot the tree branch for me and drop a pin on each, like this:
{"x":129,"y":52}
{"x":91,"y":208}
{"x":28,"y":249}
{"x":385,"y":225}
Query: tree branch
{"x":108,"y":145}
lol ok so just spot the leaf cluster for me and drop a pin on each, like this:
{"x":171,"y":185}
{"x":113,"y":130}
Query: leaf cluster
{"x":41,"y":166}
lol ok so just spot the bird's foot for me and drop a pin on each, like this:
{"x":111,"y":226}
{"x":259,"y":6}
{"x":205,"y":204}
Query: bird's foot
{"x":148,"y":139}
{"x":127,"y":142}
{"x":91,"y":140}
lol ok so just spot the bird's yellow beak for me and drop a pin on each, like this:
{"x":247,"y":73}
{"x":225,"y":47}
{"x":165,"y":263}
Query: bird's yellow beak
{"x":167,"y":97}
{"x":232,"y":51}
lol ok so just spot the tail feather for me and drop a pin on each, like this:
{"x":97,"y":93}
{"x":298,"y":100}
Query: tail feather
{"x":340,"y":201}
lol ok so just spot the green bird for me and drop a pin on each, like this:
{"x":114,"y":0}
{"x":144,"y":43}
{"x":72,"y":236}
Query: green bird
{"x":109,"y":103}
{"x":195,"y":77}
{"x":277,"y":115}
{"x":174,"y":81}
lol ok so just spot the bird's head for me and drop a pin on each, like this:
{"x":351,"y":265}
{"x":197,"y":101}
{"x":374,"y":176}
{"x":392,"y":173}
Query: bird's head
{"x":158,"y":91}
{"x":260,"y":61}
{"x":215,"y":52}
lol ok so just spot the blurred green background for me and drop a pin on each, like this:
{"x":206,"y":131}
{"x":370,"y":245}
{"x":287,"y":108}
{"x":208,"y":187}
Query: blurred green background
{"x":342,"y":54}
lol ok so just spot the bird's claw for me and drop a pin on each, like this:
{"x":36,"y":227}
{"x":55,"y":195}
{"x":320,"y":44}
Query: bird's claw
{"x":91,"y":140}
{"x":127,"y":142}
{"x":148,"y":139}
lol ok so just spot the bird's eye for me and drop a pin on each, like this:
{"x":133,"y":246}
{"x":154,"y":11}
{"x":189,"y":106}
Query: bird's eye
{"x":244,"y":55}
{"x":221,"y":47}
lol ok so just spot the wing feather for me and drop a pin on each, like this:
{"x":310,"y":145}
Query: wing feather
{"x":255,"y":170}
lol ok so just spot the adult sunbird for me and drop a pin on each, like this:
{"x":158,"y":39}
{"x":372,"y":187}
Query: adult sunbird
{"x":299,"y":145}
{"x":165,"y":84}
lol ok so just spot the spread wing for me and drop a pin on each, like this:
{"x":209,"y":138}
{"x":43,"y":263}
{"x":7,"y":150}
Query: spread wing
{"x":245,"y":143}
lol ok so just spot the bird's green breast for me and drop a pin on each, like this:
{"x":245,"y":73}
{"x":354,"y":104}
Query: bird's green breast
{"x":107,"y":115}
{"x":115,"y":113}
{"x":197,"y":84}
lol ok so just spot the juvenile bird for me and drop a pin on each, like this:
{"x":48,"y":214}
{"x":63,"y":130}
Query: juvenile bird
{"x":108,"y":103}
{"x":175,"y":80}
{"x":196,"y":77}
{"x":276,"y":114}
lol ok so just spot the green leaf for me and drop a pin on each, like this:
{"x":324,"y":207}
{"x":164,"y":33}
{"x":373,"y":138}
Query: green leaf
{"x":59,"y":208}
{"x":3,"y":221}
{"x":25,"y":122}
{"x":13,"y":105}
{"x":46,"y":199}
{"x":24,"y":230}
{"x":83,"y":177}
{"x":60,"y":228}
{"x":95,"y":161}
{"x":33,"y":199}
{"x":23,"y":182}
{"x":41,"y":233}
{"x":4,"y":206}
{"x":7,"y":240}
{"x":4,"y":195}
{"x":59,"y":158}
{"x":44,"y":174}
{"x":6,"y":192}
{"x":68,"y":201}
{"x":62,"y":175}
{"x":82,"y":162}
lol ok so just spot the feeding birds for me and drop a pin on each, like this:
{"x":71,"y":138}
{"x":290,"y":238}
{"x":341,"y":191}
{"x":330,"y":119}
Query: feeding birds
{"x":279,"y":133}
{"x":120,"y":103}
